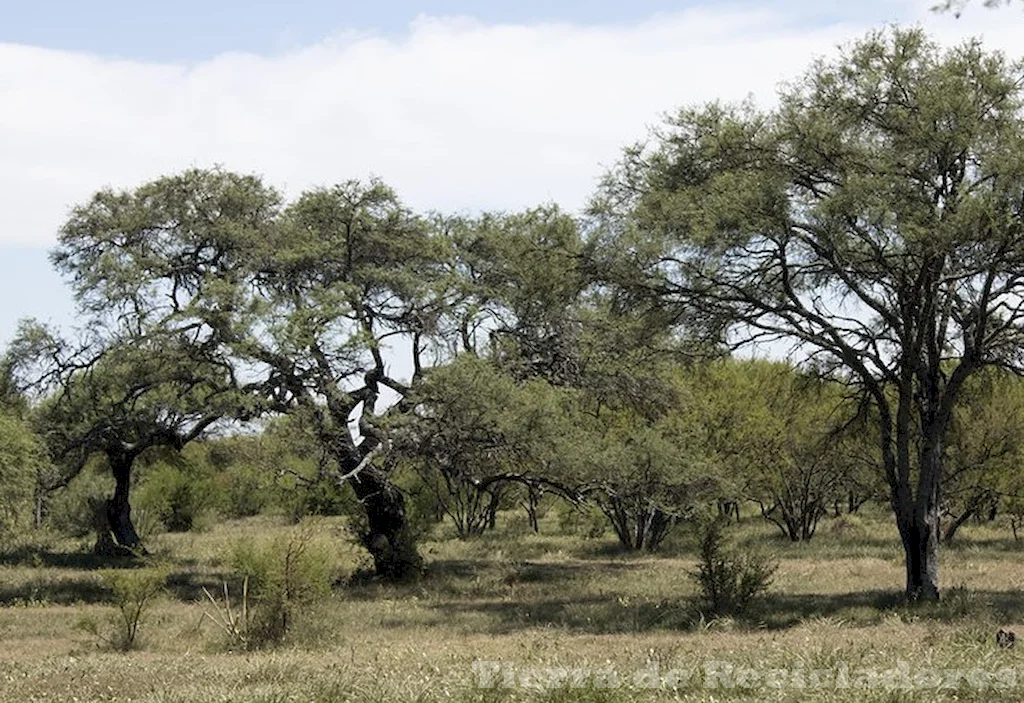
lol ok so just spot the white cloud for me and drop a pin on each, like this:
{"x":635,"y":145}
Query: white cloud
{"x":456,"y":114}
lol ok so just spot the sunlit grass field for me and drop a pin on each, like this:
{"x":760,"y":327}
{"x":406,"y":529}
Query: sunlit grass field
{"x":502,"y":617}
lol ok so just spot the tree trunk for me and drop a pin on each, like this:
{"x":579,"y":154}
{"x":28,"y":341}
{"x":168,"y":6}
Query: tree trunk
{"x":532,"y":502}
{"x":119,"y":511}
{"x":492,"y":510}
{"x":956,"y":524}
{"x":388,"y":537}
{"x":919,"y":527}
{"x":921,"y":547}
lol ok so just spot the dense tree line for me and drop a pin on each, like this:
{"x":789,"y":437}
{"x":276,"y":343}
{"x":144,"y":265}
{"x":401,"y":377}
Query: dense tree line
{"x":870,"y":229}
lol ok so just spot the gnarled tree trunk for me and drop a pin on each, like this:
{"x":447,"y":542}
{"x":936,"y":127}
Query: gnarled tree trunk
{"x":387,"y":537}
{"x":117,"y":534}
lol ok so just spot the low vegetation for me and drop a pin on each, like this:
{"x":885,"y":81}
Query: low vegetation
{"x":533,"y":602}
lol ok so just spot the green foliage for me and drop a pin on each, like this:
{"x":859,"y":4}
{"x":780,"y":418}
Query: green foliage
{"x":872,"y":220}
{"x":729,"y":580}
{"x":72,"y":510}
{"x":524,"y":286}
{"x":477,"y":431}
{"x":586,"y":521}
{"x":21,"y":457}
{"x":780,"y":438}
{"x":984,"y":449}
{"x":134,"y":593}
{"x":281,"y":468}
{"x":646,"y":466}
{"x":281,"y":577}
{"x":244,"y":491}
{"x":177,"y":492}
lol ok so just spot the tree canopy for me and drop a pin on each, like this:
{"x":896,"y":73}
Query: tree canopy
{"x":872,"y":223}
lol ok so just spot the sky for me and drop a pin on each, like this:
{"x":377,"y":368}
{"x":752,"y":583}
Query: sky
{"x":461,"y":106}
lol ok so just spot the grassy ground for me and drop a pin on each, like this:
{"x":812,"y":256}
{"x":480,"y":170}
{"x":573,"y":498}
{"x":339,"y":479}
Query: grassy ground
{"x":533,"y":617}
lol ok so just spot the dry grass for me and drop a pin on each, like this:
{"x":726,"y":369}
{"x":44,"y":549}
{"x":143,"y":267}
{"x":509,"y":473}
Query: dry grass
{"x":533,"y":602}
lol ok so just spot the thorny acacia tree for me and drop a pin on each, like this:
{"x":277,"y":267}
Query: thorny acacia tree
{"x":120,"y":401}
{"x":300,"y":300}
{"x":532,"y":309}
{"x":148,"y":369}
{"x":782,"y":437}
{"x":345,"y":270}
{"x":875,"y":219}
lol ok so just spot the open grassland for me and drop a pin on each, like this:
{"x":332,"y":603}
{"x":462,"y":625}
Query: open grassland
{"x":525,"y":609}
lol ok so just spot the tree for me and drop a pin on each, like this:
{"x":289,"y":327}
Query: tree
{"x":300,"y":301}
{"x":478,"y":433}
{"x":522,"y":290}
{"x":147,"y":371}
{"x":21,"y":457}
{"x":346,"y":270}
{"x":646,"y":475}
{"x":872,"y":221}
{"x":133,"y":395}
{"x":781,"y":437}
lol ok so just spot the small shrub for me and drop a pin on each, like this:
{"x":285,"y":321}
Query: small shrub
{"x":235,"y":620}
{"x":134,"y":591}
{"x":729,"y":581}
{"x":280,"y":578}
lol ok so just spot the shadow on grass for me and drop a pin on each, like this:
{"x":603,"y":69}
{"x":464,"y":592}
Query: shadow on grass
{"x":82,"y":561}
{"x":619,"y":614}
{"x":64,"y":578}
{"x":40,"y":590}
{"x":459,"y":578}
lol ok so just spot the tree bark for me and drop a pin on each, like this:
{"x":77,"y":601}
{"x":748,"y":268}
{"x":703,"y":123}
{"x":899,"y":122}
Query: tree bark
{"x":921,"y":546}
{"x":388,"y":537}
{"x":119,"y":511}
{"x":919,"y":527}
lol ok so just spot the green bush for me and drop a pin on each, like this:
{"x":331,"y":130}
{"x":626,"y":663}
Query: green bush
{"x":729,"y":581}
{"x":72,"y":510}
{"x":281,"y":578}
{"x":297,"y":500}
{"x":134,"y":591}
{"x":244,"y":491}
{"x":176,"y":494}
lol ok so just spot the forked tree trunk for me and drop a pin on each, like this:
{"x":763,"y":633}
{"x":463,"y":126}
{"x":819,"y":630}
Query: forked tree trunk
{"x":388,"y":537}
